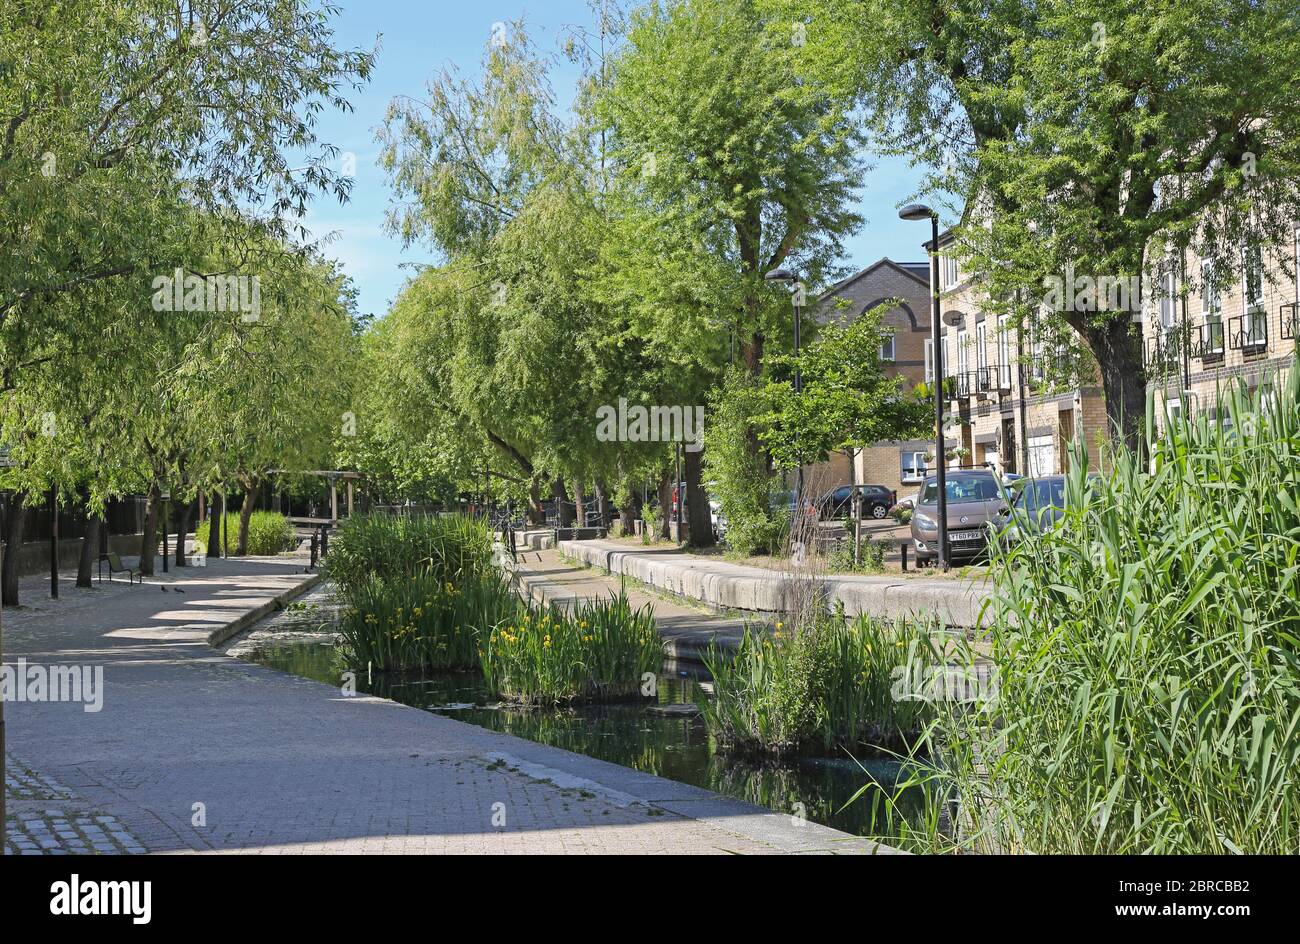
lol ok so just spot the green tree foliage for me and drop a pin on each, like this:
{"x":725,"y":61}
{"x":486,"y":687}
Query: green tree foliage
{"x":847,"y":400}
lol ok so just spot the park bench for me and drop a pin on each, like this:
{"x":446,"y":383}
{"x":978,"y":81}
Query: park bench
{"x":115,"y":565}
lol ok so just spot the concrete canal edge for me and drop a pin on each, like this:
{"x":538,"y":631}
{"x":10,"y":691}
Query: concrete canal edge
{"x":725,"y":586}
{"x":278,"y":602}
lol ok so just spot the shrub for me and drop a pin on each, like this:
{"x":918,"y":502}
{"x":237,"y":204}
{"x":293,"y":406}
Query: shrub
{"x":598,"y":652}
{"x":1148,"y":652}
{"x":393,"y":548}
{"x":652,"y":516}
{"x":423,"y":622}
{"x":826,"y":687}
{"x":871,"y":557}
{"x":268,"y":533}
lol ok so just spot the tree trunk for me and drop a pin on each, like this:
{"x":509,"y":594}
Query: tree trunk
{"x":536,"y":513}
{"x":213,"y":525}
{"x":602,"y":503}
{"x":17,"y":518}
{"x":856,"y":508}
{"x":666,"y":516}
{"x":579,"y":501}
{"x":182,"y":529}
{"x":700,"y":521}
{"x":245,"y":515}
{"x":629,"y":505}
{"x":1118,"y":351}
{"x":563,"y":507}
{"x":149,"y":540}
{"x":89,"y":551}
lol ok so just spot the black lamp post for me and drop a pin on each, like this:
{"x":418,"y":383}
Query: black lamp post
{"x":914,"y":212}
{"x":786,"y":277}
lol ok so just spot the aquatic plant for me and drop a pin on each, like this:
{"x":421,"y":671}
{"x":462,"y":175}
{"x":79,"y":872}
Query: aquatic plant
{"x":600,"y":650}
{"x":826,"y":686}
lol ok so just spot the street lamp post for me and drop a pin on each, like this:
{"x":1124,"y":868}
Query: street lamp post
{"x":786,"y":277}
{"x":914,"y":212}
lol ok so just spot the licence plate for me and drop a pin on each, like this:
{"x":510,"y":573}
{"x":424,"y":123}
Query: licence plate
{"x":966,"y":536}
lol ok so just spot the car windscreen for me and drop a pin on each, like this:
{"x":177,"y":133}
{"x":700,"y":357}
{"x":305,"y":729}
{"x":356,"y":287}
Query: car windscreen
{"x":1047,"y":493}
{"x":962,"y":489}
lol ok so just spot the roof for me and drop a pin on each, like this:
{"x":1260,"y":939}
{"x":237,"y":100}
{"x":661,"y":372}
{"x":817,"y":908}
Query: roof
{"x":917,"y":270}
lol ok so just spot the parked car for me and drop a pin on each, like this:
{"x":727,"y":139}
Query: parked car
{"x":974,"y":498}
{"x":1036,"y":506}
{"x":876,"y":501}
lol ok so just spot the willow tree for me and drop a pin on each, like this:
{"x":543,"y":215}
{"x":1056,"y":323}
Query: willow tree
{"x":105,"y":107}
{"x":492,"y":176}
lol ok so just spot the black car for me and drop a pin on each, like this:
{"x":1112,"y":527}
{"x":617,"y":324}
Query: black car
{"x":876,"y":501}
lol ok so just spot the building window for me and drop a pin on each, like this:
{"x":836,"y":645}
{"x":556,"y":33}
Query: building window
{"x":962,"y":363}
{"x":911,"y":467}
{"x":948,"y":268}
{"x":981,"y":347}
{"x":1168,"y":299}
{"x":1253,"y":323}
{"x":929,"y":360}
{"x":887,"y":348}
{"x":1211,"y":309}
{"x":1004,"y":350}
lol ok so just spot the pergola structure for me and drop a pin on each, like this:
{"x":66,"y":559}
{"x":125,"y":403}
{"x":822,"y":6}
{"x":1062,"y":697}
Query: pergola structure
{"x":333,"y":476}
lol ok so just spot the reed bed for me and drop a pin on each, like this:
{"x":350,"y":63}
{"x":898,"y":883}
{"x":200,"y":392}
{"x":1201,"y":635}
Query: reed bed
{"x":829,"y":686}
{"x":1148,"y":656}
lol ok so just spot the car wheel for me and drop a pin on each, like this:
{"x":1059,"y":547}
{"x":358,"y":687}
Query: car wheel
{"x":879,"y":511}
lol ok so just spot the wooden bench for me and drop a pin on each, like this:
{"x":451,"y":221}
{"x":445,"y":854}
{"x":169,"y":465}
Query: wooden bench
{"x":115,"y":565}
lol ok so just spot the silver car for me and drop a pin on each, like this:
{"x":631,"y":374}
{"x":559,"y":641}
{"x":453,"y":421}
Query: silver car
{"x":974,"y":498}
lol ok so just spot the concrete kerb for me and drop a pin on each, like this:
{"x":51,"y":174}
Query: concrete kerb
{"x":731,"y":587}
{"x":278,"y":602}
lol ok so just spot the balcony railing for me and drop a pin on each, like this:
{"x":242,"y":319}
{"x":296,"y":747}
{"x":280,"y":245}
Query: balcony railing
{"x":1208,"y":342}
{"x":966,"y":384}
{"x":1290,"y":318}
{"x":1248,"y":333}
{"x":1163,"y":354}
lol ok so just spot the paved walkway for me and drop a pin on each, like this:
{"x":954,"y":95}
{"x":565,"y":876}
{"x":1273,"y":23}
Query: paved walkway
{"x":195,"y":751}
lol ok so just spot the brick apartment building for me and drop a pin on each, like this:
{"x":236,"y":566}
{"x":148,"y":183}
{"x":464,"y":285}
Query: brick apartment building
{"x":1199,"y":337}
{"x":1012,"y":417}
{"x":886,"y":463}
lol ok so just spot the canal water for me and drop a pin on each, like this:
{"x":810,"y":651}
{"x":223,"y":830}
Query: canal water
{"x":650,"y":735}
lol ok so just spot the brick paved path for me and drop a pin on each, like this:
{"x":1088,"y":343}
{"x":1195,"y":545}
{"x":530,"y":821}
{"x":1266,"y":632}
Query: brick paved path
{"x":193,"y":750}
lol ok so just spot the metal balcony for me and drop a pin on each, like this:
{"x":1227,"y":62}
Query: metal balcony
{"x":1208,"y":342}
{"x":1249,"y":337}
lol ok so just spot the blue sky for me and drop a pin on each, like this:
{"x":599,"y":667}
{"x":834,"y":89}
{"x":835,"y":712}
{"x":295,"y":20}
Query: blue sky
{"x":419,"y":38}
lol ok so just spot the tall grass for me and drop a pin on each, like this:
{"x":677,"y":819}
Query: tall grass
{"x":602,"y":650}
{"x":1148,"y":654}
{"x":827,"y":687}
{"x":393,"y":548}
